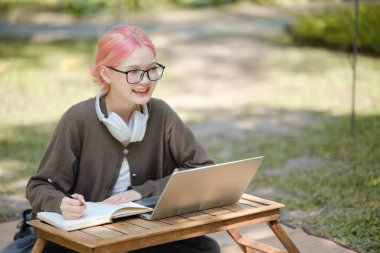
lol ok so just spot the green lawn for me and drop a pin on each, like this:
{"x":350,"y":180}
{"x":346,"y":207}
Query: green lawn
{"x":338,"y":198}
{"x":37,"y":83}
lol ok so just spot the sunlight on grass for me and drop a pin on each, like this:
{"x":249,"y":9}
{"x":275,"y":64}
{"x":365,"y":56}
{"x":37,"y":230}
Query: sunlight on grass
{"x":38,"y":83}
{"x":315,"y":79}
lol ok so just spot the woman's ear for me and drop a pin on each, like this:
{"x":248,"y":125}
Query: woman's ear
{"x":104,"y":74}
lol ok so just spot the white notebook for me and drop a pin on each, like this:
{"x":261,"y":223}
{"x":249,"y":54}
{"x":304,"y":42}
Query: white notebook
{"x":96,"y":213}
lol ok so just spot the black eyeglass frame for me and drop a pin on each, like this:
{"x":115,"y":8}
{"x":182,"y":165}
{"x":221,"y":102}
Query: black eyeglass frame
{"x":142,"y":75}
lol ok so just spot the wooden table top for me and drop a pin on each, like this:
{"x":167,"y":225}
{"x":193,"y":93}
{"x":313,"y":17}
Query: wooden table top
{"x":132,"y":232}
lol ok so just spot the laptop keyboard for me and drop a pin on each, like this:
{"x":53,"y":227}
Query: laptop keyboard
{"x":149,"y":202}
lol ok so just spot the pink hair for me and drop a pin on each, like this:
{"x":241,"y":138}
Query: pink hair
{"x":116,"y":45}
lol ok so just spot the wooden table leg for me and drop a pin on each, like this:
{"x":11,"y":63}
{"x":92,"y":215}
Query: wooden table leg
{"x":39,"y":245}
{"x":237,"y":238}
{"x":252,"y":246}
{"x":282,"y":236}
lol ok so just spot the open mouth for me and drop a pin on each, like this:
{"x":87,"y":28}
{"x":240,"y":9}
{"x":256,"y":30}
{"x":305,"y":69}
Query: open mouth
{"x":141,"y":91}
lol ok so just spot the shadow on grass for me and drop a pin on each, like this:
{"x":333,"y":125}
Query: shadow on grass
{"x":327,"y":175}
{"x":21,"y":149}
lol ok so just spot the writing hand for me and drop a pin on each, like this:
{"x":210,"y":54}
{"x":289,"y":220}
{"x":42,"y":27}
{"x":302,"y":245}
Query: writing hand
{"x":123,"y":197}
{"x":73,"y":208}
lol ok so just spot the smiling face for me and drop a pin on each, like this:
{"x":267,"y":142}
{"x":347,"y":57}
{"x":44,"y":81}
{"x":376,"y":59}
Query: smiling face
{"x":123,"y":93}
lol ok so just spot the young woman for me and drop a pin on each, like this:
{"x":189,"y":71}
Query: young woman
{"x":123,"y":144}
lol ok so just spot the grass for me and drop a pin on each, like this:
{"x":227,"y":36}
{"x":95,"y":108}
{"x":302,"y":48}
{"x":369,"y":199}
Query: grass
{"x":38,"y":82}
{"x":343,"y":193}
{"x":338,"y":198}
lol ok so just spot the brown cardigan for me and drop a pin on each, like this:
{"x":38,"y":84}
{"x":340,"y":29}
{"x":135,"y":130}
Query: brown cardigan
{"x":84,"y":158}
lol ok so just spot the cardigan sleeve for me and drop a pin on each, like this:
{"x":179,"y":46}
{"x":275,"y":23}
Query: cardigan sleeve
{"x":59,"y":163}
{"x":185,"y":149}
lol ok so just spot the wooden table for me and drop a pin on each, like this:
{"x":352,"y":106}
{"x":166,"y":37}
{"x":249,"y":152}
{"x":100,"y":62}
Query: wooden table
{"x":134,"y":233}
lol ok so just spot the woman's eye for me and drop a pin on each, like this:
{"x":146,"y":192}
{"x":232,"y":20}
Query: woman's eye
{"x":135,"y":72}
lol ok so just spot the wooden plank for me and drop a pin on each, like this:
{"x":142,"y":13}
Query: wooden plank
{"x":252,"y":244}
{"x":238,"y":207}
{"x":175,"y":220}
{"x":251,"y":203}
{"x":62,"y":233}
{"x":76,"y":240}
{"x":38,"y":246}
{"x":283,"y":237}
{"x":126,"y":228}
{"x":217,"y":211}
{"x":76,"y":245}
{"x":147,"y":224}
{"x":198,"y":216}
{"x":258,"y":218}
{"x":78,"y":235}
{"x":262,"y":247}
{"x":261,"y":200}
{"x":102,"y":231}
{"x":243,"y":243}
{"x":249,"y":211}
{"x":236,"y":236}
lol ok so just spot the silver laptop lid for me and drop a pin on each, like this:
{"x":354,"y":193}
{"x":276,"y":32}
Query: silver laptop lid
{"x":205,"y":187}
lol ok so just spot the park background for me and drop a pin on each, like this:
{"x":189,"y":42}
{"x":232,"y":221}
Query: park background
{"x":269,"y":77}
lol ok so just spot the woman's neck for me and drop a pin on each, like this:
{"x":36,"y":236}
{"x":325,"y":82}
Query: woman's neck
{"x":121,"y":107}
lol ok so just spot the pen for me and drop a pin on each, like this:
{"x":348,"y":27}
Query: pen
{"x":59,"y":188}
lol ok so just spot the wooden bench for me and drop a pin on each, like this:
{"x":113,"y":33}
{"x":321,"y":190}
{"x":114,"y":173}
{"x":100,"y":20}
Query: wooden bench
{"x":134,"y":233}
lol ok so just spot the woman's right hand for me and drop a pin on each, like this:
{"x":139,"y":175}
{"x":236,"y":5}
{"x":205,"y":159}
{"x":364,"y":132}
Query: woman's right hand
{"x":73,"y":208}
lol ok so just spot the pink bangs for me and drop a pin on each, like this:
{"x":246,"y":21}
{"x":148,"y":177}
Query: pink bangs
{"x":116,"y":45}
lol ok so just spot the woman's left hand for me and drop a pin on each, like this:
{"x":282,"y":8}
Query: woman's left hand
{"x":123,"y":197}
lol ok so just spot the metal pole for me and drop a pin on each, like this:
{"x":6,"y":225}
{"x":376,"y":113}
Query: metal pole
{"x":355,"y":50}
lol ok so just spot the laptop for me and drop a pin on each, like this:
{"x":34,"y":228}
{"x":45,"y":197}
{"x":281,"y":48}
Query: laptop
{"x":202,"y":188}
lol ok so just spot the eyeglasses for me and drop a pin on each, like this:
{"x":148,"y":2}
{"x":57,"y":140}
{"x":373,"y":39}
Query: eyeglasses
{"x":136,"y":75}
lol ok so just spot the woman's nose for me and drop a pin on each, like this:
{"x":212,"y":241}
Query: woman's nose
{"x":145,"y":79}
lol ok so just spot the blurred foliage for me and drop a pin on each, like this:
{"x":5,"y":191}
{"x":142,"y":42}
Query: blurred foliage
{"x":81,"y":8}
{"x":84,"y":8}
{"x":77,"y":8}
{"x":335,"y":29}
